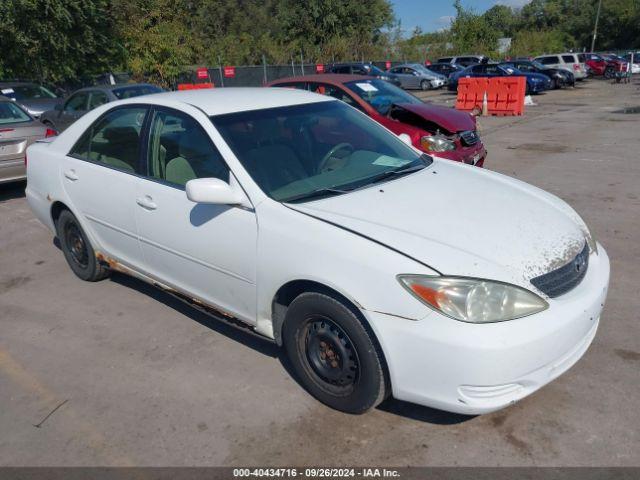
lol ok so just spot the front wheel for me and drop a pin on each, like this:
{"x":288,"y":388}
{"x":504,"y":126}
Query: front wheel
{"x":77,"y":249}
{"x":336,"y":358}
{"x":425,"y":85}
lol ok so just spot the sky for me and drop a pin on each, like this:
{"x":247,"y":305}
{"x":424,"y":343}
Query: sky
{"x":432,"y":15}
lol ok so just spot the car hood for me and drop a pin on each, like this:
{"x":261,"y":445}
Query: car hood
{"x":448,"y":118}
{"x":462,"y":220}
{"x":39,"y":105}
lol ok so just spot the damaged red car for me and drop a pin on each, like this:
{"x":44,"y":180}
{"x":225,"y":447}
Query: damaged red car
{"x":439,"y":131}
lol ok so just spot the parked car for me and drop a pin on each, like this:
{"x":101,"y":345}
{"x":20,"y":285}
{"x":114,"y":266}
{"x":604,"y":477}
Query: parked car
{"x":86,"y":99}
{"x":559,"y":76}
{"x":436,"y":130}
{"x":464,"y":61}
{"x":445,"y":69}
{"x":635,"y":65}
{"x":416,"y":76}
{"x":536,"y":82}
{"x":380,"y":270}
{"x":596,"y":63}
{"x":568,"y":61}
{"x":34,"y":98}
{"x":359,"y":68}
{"x":18,"y":130}
{"x":615,"y":64}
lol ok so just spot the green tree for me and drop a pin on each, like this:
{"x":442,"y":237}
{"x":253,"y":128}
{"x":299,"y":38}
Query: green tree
{"x":471,"y":33}
{"x":54,"y":40}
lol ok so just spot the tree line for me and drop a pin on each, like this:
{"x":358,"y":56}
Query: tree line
{"x":57,"y":40}
{"x":540,"y":26}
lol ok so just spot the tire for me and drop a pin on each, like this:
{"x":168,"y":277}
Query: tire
{"x":334,"y":355}
{"x":425,"y":85}
{"x":77,"y":249}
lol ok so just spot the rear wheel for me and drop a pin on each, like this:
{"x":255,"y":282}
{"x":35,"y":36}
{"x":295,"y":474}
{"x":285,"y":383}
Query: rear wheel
{"x":334,"y":355}
{"x":77,"y":250}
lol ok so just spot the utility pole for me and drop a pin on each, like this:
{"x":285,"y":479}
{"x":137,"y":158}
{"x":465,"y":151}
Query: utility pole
{"x":595,"y":27}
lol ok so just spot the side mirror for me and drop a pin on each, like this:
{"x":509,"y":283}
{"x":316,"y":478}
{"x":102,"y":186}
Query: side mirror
{"x":213,"y":190}
{"x":405,"y":138}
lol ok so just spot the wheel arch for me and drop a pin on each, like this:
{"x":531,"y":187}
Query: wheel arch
{"x":56,"y":209}
{"x":288,"y":292}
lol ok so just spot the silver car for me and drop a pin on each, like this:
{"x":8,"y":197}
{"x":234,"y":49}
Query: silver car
{"x":416,"y":76}
{"x":32,"y":97}
{"x":18,"y":130}
{"x":86,"y":99}
{"x":568,"y":61}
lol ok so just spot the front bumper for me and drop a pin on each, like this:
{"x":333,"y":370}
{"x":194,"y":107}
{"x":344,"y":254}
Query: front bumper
{"x":473,"y":155}
{"x":475,"y":369}
{"x":438,"y":83}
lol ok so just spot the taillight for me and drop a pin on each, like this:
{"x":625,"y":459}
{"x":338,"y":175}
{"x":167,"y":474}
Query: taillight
{"x":50,"y":133}
{"x":576,"y":67}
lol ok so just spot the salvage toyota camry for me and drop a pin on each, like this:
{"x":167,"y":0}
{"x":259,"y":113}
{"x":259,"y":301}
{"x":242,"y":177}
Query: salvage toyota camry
{"x":380,"y":270}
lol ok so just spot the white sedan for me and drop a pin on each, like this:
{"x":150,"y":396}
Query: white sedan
{"x":380,"y":270}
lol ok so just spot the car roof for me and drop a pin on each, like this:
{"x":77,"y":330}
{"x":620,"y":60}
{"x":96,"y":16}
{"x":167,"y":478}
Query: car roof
{"x":114,"y":87}
{"x":344,"y":64}
{"x":219,"y":101}
{"x":16,"y":84}
{"x":333,"y":78}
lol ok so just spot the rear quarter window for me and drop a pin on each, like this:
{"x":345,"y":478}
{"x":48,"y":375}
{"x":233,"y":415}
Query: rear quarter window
{"x":569,"y":59}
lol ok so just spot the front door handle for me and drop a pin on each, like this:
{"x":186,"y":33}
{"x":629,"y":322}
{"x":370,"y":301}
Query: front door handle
{"x":146,"y":202}
{"x":71,"y":175}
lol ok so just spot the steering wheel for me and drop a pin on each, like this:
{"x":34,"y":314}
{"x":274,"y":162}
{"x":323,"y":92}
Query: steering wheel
{"x":324,"y":163}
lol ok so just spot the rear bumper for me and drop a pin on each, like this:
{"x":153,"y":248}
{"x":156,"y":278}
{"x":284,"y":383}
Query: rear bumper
{"x":475,"y":369}
{"x":12,"y":170}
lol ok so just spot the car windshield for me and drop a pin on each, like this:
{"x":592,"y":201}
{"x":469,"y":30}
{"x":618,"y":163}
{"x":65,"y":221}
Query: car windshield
{"x":135,"y":91}
{"x":305,"y":152}
{"x":381,"y":95}
{"x":11,"y":113}
{"x":26,"y":92}
{"x":538,"y":65}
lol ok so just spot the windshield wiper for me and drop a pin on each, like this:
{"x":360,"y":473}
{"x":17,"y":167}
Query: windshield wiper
{"x":321,"y":192}
{"x":405,"y":170}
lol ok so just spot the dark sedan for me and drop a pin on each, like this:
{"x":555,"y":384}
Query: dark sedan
{"x":536,"y":82}
{"x":559,"y":76}
{"x":363,"y":68}
{"x":86,"y":99}
{"x":34,"y":98}
{"x":445,"y":69}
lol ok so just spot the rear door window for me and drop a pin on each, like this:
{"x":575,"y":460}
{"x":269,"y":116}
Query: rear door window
{"x":77,"y":103}
{"x":97,"y":98}
{"x":114,"y":139}
{"x":548,"y":60}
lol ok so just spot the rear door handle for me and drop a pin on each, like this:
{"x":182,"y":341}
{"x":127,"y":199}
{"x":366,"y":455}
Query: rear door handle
{"x":146,"y":202}
{"x":71,"y":175}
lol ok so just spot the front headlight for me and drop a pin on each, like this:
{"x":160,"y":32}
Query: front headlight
{"x":591,"y":240}
{"x":473,"y":300}
{"x":437,"y":144}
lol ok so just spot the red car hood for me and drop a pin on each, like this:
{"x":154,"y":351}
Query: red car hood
{"x":448,"y":118}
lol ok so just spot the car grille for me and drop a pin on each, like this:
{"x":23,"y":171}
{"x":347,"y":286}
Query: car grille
{"x":470,"y":137}
{"x":560,"y":281}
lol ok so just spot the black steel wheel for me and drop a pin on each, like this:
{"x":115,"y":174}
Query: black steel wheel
{"x":77,"y":249}
{"x":334,"y":353}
